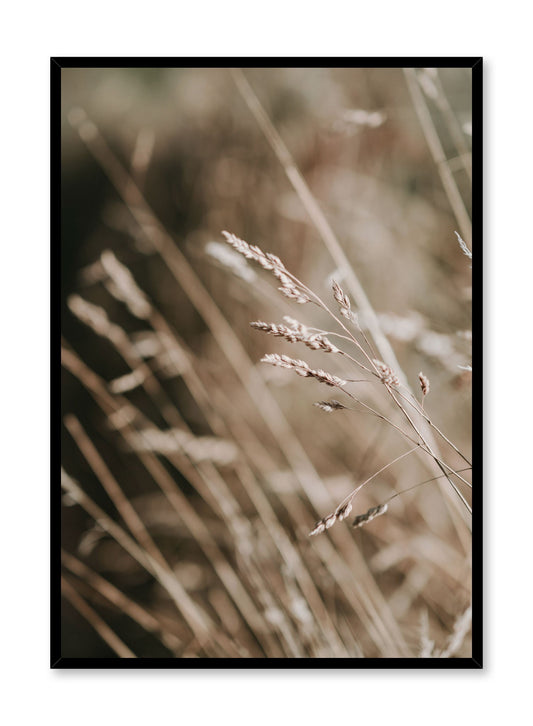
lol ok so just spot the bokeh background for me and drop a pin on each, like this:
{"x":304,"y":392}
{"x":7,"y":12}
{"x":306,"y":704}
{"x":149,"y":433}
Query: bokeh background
{"x":213,"y":466}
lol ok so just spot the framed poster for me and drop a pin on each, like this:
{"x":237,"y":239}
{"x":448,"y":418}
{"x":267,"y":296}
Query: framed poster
{"x":217,"y":230}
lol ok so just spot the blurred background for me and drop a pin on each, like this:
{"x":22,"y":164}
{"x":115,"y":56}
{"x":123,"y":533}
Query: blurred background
{"x":193,"y":473}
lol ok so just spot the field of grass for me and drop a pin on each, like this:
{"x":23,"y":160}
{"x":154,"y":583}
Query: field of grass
{"x":211,"y":508}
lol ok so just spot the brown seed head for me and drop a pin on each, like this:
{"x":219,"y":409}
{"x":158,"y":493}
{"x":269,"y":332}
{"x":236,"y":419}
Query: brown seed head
{"x":343,"y":301}
{"x":424,"y":383}
{"x":302,"y":369}
{"x":372,"y":513}
{"x":329,"y":406}
{"x":386,"y":373}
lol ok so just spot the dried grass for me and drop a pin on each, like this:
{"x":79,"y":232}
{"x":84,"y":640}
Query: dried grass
{"x":200,"y":429}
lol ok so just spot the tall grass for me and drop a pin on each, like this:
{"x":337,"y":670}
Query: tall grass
{"x":194,"y":474}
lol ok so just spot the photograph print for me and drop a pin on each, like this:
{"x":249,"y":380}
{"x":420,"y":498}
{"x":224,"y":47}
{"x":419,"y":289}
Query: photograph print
{"x":265,"y":288}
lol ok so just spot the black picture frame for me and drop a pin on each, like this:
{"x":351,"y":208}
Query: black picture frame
{"x":57,"y":660}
